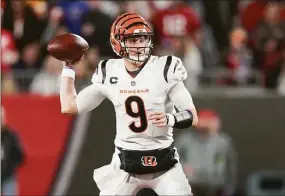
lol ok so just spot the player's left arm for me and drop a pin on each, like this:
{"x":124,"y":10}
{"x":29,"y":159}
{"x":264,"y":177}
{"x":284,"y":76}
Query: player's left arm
{"x":179,"y":95}
{"x":186,"y":116}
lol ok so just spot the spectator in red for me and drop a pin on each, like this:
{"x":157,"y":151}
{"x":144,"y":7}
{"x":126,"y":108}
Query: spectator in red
{"x":178,"y":33}
{"x":3,"y":5}
{"x":9,"y":53}
{"x":253,"y":14}
{"x":239,"y":58}
{"x":175,"y":22}
{"x":9,"y":56}
{"x":270,"y":42}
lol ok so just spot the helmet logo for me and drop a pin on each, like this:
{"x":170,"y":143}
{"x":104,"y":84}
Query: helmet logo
{"x":139,"y":31}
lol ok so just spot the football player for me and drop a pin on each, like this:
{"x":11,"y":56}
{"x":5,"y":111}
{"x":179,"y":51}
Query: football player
{"x":144,"y":90}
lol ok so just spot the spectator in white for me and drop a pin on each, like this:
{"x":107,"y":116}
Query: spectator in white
{"x":12,"y":157}
{"x":208,"y":157}
{"x":141,"y":7}
{"x":208,"y":46}
{"x":193,"y":63}
{"x":110,"y":8}
{"x":47,"y":81}
{"x":84,"y":71}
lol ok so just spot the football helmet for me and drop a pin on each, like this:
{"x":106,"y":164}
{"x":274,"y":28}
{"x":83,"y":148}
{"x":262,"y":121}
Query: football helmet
{"x":131,"y":37}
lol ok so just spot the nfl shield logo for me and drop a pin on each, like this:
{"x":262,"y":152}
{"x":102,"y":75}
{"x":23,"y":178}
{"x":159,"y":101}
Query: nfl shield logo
{"x":133,"y":83}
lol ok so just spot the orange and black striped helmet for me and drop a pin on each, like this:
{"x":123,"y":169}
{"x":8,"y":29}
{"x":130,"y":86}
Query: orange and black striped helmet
{"x":129,"y":25}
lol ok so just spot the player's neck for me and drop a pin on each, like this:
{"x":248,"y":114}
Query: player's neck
{"x":131,"y":66}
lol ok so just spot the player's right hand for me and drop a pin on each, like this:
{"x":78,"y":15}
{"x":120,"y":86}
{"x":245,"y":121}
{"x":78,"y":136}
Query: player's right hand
{"x":72,"y":64}
{"x":158,"y":118}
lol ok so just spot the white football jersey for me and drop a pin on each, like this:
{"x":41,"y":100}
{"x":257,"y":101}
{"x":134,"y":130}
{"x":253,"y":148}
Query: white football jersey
{"x":135,"y":97}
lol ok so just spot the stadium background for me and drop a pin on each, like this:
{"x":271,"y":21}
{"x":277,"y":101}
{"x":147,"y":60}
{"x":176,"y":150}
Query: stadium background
{"x":224,"y":45}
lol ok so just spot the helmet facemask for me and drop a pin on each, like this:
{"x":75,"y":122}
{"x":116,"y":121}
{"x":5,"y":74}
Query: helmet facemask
{"x":137,"y":48}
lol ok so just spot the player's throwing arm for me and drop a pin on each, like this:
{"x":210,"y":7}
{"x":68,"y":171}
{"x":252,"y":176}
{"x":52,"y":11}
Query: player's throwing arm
{"x":70,"y":49}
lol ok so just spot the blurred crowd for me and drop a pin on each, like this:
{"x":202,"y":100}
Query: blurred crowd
{"x":209,"y":157}
{"x":222,"y":43}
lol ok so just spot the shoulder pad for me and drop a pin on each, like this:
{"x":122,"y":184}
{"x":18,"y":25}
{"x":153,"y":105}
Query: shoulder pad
{"x":174,"y":70}
{"x":100,"y":73}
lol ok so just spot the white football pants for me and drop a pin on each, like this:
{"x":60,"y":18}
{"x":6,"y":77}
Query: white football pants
{"x":111,"y":180}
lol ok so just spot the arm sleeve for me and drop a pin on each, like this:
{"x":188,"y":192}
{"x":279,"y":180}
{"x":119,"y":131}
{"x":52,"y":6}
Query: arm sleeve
{"x":180,"y":97}
{"x":89,"y":98}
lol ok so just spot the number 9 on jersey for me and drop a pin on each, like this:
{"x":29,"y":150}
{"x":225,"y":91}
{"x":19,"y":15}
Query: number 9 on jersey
{"x":138,"y":113}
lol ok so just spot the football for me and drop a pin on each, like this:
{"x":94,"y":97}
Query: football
{"x":67,"y":47}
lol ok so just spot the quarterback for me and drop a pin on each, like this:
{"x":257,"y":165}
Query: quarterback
{"x":145,"y":90}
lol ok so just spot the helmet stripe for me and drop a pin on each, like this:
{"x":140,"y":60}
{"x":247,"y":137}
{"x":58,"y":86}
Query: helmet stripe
{"x":122,"y":17}
{"x":136,"y":23}
{"x":129,"y":19}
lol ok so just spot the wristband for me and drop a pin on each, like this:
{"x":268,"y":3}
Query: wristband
{"x":183,"y":119}
{"x":170,"y":119}
{"x":68,"y":72}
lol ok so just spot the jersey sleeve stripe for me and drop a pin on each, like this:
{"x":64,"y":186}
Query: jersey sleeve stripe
{"x":176,"y":109}
{"x":97,"y":67}
{"x":103,"y":68}
{"x":175,"y":66}
{"x":166,"y":68}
